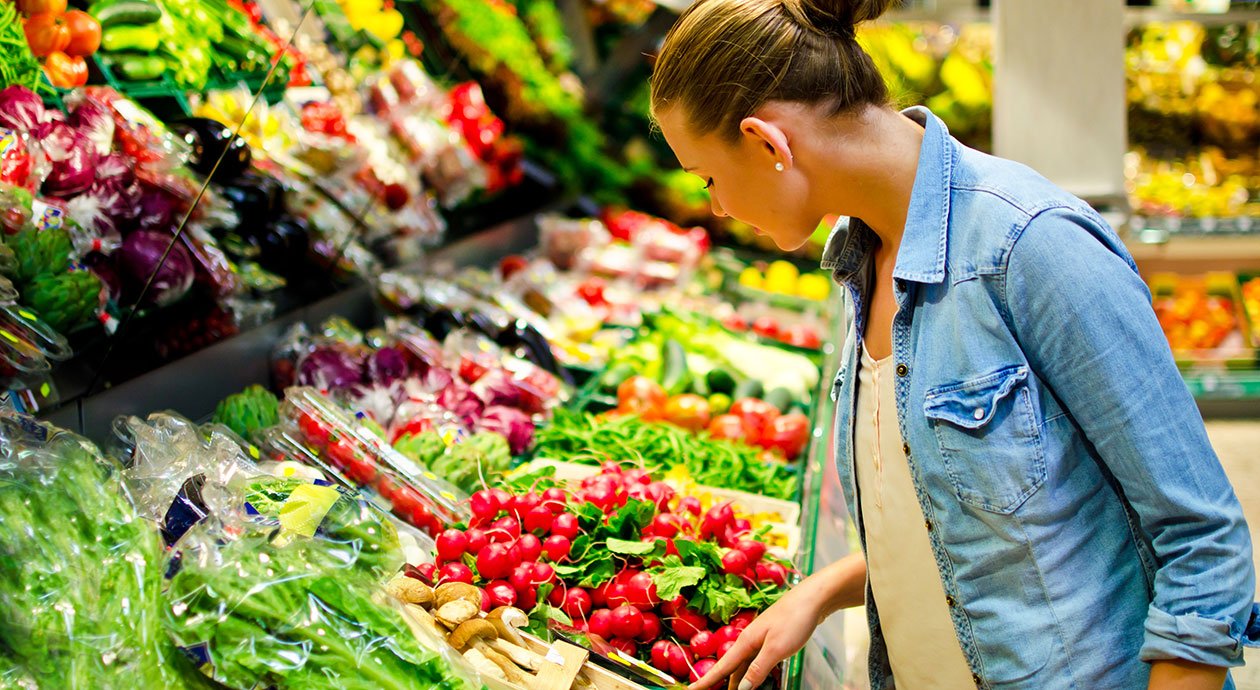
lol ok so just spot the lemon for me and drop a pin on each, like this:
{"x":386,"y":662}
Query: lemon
{"x":751,"y":278}
{"x":813,"y":286}
{"x":782,"y":270}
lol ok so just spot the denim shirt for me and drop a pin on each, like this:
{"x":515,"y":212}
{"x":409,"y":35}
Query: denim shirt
{"x":1080,"y":520}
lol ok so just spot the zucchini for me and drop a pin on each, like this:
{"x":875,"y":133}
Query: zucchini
{"x":781,"y":399}
{"x":721,"y":381}
{"x":615,"y":376}
{"x":750,"y":388}
{"x":675,"y":376}
{"x":113,"y":12}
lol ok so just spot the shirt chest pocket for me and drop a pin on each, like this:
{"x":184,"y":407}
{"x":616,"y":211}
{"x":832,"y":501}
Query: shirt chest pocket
{"x":988,"y":433}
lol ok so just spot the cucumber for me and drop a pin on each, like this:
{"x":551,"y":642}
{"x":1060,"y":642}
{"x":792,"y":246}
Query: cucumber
{"x":675,"y":376}
{"x":720,"y":381}
{"x":780,"y":398}
{"x":112,"y":12}
{"x":750,"y":388}
{"x":615,"y":376}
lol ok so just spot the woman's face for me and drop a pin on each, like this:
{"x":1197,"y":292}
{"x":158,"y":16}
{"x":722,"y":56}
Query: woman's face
{"x":742,"y":179}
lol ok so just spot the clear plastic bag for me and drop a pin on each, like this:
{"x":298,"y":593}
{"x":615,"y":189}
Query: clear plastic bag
{"x":80,"y":571}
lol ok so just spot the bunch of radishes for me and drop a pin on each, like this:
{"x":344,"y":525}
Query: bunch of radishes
{"x":515,"y":542}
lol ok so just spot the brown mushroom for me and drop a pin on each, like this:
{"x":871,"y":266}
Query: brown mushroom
{"x":482,"y":665}
{"x":475,"y":634}
{"x":452,"y":591}
{"x":455,"y":613}
{"x":410,"y":590}
{"x":425,"y":619}
{"x":507,"y":621}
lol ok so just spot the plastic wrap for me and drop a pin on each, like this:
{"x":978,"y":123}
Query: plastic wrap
{"x":80,"y":572}
{"x":563,"y":239}
{"x":362,"y":455}
{"x":290,"y":349}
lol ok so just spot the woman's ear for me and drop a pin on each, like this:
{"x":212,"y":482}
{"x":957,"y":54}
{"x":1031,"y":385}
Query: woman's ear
{"x":768,"y":138}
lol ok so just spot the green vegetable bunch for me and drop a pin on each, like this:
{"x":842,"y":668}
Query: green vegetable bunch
{"x":584,"y":438}
{"x":296,"y":616}
{"x":249,"y":411}
{"x":80,"y":572}
{"x":17,"y":64}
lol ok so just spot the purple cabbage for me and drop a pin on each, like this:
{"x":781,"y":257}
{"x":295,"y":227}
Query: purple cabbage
{"x":435,"y":380}
{"x":94,"y":122}
{"x":460,"y":400}
{"x":140,"y":257}
{"x":21,"y":109}
{"x":511,"y":423}
{"x":329,"y":368}
{"x":116,"y":170}
{"x":500,"y":387}
{"x":73,"y":157}
{"x":155,"y":210}
{"x":386,"y":365}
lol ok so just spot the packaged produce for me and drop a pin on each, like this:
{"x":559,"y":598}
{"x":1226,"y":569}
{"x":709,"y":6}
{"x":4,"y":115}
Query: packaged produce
{"x":249,"y":412}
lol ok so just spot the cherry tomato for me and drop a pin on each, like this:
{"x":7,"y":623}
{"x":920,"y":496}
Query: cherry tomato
{"x":314,"y":430}
{"x":727,"y":426}
{"x":341,"y":452}
{"x":690,"y":412}
{"x":788,"y":434}
{"x":641,"y":395}
{"x":46,"y":34}
{"x":757,"y":415}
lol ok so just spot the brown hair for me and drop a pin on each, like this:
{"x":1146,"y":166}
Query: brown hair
{"x":724,"y":59}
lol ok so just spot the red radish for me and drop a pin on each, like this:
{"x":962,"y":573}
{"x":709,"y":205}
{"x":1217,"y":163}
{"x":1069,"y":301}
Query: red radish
{"x":673,"y":606}
{"x":543,"y":573}
{"x":427,"y":571}
{"x":577,"y":603}
{"x":690,"y":504}
{"x":553,"y":499}
{"x":531,"y":547}
{"x":522,"y":504}
{"x":522,"y":578}
{"x":660,"y":655}
{"x":477,"y":540}
{"x":618,"y":595}
{"x":494,"y":562}
{"x":642,"y":592}
{"x":726,"y":633}
{"x":627,"y":621}
{"x":602,"y":496}
{"x":501,"y":593}
{"x":743,"y":619}
{"x":687,"y":623}
{"x":742,"y":526}
{"x":724,"y":648}
{"x":556,"y":597}
{"x":680,"y":662}
{"x":504,"y":498}
{"x":455,"y":572}
{"x":451,"y":544}
{"x":734,"y":563}
{"x":516,"y":554}
{"x":624,"y":645}
{"x":701,"y":668}
{"x":610,"y":467}
{"x":557,"y":547}
{"x":771,"y":572}
{"x":527,"y":600}
{"x":565,"y":525}
{"x":751,"y":548}
{"x":703,"y":644}
{"x":651,"y":628}
{"x":485,"y":505}
{"x":600,"y":623}
{"x":509,"y":525}
{"x":718,"y":517}
{"x":599,"y":594}
{"x":624,"y":577}
{"x":665,"y":525}
{"x":538,"y":520}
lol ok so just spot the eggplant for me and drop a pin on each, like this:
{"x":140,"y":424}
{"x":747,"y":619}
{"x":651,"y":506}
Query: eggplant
{"x":211,"y":140}
{"x":284,"y":244}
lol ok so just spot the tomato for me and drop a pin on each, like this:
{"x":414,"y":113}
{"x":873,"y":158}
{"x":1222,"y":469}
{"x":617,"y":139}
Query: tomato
{"x":341,"y":453}
{"x":766,"y":326}
{"x":735,"y":322}
{"x":801,"y":335}
{"x":85,"y":33}
{"x":727,"y":426}
{"x":688,"y":411}
{"x":510,"y":264}
{"x":33,"y":7}
{"x":592,"y":291}
{"x":47,"y":34}
{"x":757,"y":415}
{"x":642,"y":396}
{"x":314,"y":430}
{"x":788,"y":434}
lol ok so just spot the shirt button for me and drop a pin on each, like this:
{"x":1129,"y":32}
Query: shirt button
{"x":975,"y":678}
{"x":905,"y":448}
{"x":978,"y":414}
{"x":902,"y":370}
{"x":950,"y":600}
{"x":900,"y":284}
{"x":928,"y":525}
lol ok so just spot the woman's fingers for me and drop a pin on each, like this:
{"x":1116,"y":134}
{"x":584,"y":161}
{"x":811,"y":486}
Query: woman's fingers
{"x":734,"y":683}
{"x":738,"y":656}
{"x":758,"y":670}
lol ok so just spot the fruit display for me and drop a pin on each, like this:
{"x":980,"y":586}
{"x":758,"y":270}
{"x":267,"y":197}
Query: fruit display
{"x":61,"y":38}
{"x":1251,"y":306}
{"x":1204,"y":318}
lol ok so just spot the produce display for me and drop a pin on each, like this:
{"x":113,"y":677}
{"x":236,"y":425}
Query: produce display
{"x":61,"y":38}
{"x":1207,"y":319}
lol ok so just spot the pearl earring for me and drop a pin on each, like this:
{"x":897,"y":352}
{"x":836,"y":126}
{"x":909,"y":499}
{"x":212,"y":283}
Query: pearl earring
{"x":778,"y":166}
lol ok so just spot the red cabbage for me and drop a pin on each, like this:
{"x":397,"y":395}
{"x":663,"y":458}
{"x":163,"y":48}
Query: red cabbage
{"x":511,"y":423}
{"x":329,"y":368}
{"x":155,"y":210}
{"x":460,"y":400}
{"x":500,"y":387}
{"x":95,"y":123}
{"x":433,"y":381}
{"x":116,"y":170}
{"x":21,"y":109}
{"x":73,"y":157}
{"x":138,"y":259}
{"x":104,"y":268}
{"x":386,"y":365}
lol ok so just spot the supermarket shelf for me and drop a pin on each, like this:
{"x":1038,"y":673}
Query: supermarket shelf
{"x":194,"y":384}
{"x":1226,"y":395}
{"x":1133,"y":16}
{"x":1193,"y":253}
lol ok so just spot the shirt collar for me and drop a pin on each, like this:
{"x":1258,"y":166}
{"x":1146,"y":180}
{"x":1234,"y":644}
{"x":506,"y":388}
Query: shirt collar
{"x":922,"y":254}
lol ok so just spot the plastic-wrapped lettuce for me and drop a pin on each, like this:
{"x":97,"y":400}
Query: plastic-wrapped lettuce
{"x":287,"y":611}
{"x":80,"y":572}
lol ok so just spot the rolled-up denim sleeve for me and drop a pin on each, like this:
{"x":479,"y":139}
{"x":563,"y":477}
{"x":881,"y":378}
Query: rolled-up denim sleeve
{"x":1083,"y":316}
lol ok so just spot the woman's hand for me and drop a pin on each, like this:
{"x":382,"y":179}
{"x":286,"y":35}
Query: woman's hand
{"x":1176,"y":674}
{"x":784,"y":628}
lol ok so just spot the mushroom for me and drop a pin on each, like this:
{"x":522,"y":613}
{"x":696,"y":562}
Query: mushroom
{"x":475,"y":634}
{"x":452,"y":591}
{"x":410,"y":590}
{"x":456,"y":613}
{"x":483,"y":665}
{"x":425,"y":619}
{"x":507,"y":620}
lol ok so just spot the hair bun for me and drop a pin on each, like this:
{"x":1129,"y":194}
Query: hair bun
{"x":841,"y":16}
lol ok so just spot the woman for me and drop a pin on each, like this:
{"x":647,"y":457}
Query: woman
{"x":1037,"y":499}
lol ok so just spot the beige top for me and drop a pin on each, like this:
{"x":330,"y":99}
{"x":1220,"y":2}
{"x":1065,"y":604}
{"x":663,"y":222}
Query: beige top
{"x":922,"y":645}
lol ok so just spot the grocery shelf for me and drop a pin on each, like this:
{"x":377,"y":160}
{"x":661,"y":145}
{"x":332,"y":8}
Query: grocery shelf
{"x":1156,"y":251}
{"x":1133,"y":16}
{"x":1226,"y":394}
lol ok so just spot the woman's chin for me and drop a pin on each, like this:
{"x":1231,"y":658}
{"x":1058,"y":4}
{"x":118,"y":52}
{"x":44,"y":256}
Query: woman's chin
{"x":789,"y":241}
